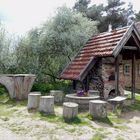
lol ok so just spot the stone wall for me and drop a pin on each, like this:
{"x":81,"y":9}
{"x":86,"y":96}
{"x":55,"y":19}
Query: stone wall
{"x":102,"y":76}
{"x":95,"y":78}
{"x":108,"y":75}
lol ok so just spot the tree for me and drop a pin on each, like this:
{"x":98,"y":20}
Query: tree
{"x":130,"y":14}
{"x":5,"y":52}
{"x":81,"y":6}
{"x":115,"y":14}
{"x":45,"y":51}
{"x":96,"y":13}
{"x":137,"y":18}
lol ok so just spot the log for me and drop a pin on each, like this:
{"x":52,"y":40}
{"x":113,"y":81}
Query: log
{"x":98,"y":109}
{"x":46,"y":104}
{"x":33,"y":100}
{"x":58,"y":95}
{"x":70,"y":110}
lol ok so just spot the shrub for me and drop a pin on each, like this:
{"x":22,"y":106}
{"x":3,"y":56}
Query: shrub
{"x":45,"y":88}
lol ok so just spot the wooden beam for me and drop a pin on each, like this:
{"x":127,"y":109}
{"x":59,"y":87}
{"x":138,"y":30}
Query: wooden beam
{"x":136,"y":40}
{"x":86,"y":84}
{"x":123,"y":41}
{"x":133,"y":77}
{"x":74,"y":84}
{"x":117,"y":75}
{"x":86,"y":70}
{"x":130,"y":48}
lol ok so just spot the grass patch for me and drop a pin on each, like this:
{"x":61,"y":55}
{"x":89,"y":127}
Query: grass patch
{"x":8,"y":106}
{"x":119,"y":138}
{"x":98,"y":136}
{"x":45,"y":117}
{"x":121,"y":127}
{"x":18,"y":129}
{"x":105,"y":120}
{"x":136,"y":105}
{"x":79,"y":120}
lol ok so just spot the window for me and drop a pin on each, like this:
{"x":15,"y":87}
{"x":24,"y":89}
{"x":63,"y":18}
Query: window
{"x":126,"y":69}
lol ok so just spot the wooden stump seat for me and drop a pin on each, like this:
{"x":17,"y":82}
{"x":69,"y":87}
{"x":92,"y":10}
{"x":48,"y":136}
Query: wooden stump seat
{"x":97,"y":108}
{"x":46,"y":104}
{"x":33,"y":100}
{"x":58,"y":95}
{"x":70,"y":110}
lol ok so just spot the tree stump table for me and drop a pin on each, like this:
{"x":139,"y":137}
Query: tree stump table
{"x":70,"y":110}
{"x":46,"y":104}
{"x":97,"y":108}
{"x":58,"y":95}
{"x":33,"y":100}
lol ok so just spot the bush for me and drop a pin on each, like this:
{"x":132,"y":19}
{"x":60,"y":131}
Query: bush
{"x":45,"y":88}
{"x":3,"y":90}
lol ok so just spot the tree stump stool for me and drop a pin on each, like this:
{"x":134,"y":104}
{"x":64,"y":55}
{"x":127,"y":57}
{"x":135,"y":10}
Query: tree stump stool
{"x":70,"y":110}
{"x":46,"y":104}
{"x":33,"y":100}
{"x":58,"y":95}
{"x":97,"y":108}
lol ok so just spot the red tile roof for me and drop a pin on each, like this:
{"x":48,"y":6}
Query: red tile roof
{"x":98,"y":46}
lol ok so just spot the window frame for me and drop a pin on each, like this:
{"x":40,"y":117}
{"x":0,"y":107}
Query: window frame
{"x":127,"y":69}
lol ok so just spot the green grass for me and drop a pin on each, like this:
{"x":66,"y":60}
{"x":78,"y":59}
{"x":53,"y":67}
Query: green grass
{"x":119,"y":138}
{"x":9,"y":107}
{"x":136,"y":105}
{"x":59,"y":119}
{"x":98,"y":136}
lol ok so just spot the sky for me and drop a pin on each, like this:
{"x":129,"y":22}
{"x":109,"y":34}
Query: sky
{"x":19,"y":16}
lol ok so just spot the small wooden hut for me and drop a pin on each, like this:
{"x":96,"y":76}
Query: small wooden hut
{"x":100,"y":63}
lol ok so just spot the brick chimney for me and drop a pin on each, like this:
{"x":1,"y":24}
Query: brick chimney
{"x":109,"y":28}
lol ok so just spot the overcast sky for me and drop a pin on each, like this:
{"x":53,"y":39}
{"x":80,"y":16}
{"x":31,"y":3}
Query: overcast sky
{"x":21,"y":15}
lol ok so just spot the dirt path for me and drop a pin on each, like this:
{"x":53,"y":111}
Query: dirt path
{"x":6,"y":134}
{"x":21,"y":125}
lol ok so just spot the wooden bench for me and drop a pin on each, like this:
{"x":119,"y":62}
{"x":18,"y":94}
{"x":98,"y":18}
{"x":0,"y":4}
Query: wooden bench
{"x":117,"y":101}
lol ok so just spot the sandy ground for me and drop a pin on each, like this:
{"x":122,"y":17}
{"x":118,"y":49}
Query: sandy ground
{"x":22,"y":126}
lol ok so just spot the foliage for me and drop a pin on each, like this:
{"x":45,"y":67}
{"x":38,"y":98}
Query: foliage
{"x":45,"y":88}
{"x":5,"y":52}
{"x":137,"y":16}
{"x":98,"y":136}
{"x":45,"y":51}
{"x":82,"y":6}
{"x":113,"y":13}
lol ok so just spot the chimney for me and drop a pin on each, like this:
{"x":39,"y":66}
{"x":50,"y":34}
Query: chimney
{"x":109,"y":28}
